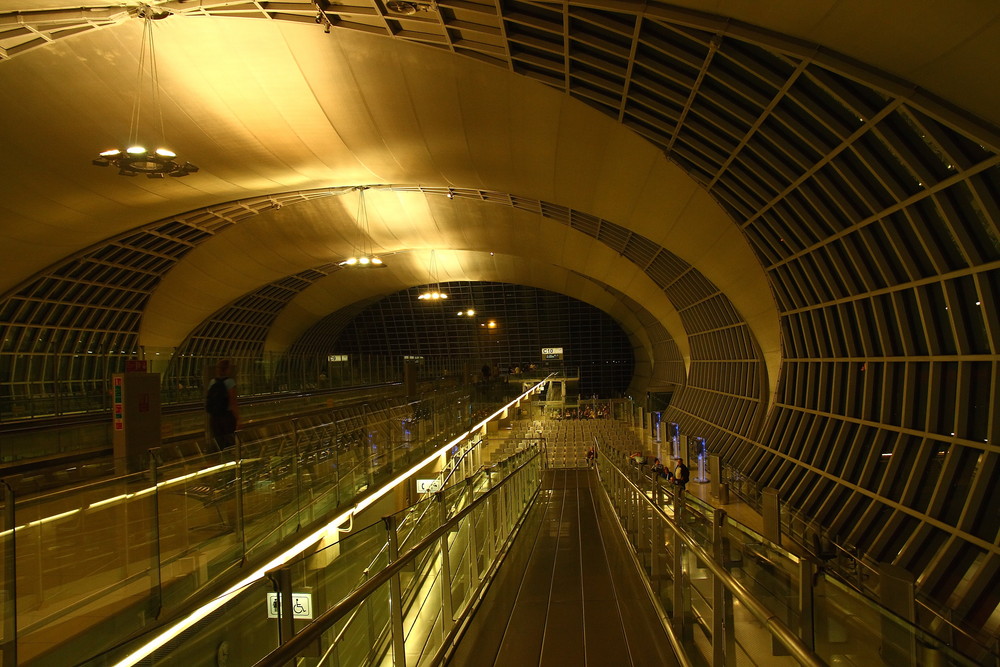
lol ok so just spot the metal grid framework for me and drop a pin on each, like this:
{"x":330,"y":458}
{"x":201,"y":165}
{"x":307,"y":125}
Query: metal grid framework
{"x":43,"y":347}
{"x":873,"y":208}
{"x":526,"y":320}
{"x":725,"y":391}
{"x":74,"y":324}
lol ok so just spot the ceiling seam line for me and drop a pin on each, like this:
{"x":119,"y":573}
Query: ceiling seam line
{"x":753,"y":130}
{"x":713,"y":47}
{"x":899,"y":287}
{"x":942,"y":185}
{"x":947,"y":528}
{"x":844,"y":145}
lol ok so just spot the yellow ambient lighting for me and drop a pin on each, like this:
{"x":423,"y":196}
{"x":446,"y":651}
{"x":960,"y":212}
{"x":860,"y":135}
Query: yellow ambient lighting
{"x":170,"y":633}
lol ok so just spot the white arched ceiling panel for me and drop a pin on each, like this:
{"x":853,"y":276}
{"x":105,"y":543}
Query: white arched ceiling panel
{"x":300,"y":237}
{"x":264,"y":106}
{"x":329,"y":295}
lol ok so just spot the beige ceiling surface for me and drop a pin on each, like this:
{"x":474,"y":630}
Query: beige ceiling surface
{"x":267,"y":107}
{"x":471,"y":241}
{"x":328,"y":295}
{"x":947,"y":48}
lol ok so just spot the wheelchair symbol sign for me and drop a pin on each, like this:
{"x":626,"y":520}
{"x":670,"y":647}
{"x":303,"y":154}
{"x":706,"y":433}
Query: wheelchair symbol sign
{"x":301,"y":605}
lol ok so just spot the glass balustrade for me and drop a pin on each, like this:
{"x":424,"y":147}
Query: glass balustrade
{"x":392,"y":592}
{"x":396,"y":587}
{"x":91,"y":565}
{"x":734,"y":597}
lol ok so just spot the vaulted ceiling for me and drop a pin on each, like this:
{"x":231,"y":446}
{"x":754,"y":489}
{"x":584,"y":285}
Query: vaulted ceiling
{"x":798,"y":200}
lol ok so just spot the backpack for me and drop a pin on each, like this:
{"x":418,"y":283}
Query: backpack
{"x":217,"y":399}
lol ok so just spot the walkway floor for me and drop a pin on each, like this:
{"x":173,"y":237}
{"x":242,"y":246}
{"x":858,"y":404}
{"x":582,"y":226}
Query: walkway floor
{"x":568,"y":593}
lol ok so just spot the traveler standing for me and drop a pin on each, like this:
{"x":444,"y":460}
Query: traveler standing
{"x":681,"y":473}
{"x":221,"y":405}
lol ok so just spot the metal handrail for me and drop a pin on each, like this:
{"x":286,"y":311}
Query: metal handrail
{"x":312,"y":632}
{"x":798,"y":649}
{"x":405,"y":519}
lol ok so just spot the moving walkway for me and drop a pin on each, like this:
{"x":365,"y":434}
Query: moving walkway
{"x":416,"y":588}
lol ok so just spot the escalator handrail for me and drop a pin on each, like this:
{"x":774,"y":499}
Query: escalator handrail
{"x":324,"y":621}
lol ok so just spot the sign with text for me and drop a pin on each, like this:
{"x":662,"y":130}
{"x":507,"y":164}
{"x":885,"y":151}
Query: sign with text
{"x":552,"y":353}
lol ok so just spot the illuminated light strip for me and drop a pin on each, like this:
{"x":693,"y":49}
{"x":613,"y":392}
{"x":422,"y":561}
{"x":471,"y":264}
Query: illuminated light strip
{"x":197,"y":473}
{"x":54,"y":517}
{"x":111,"y":500}
{"x":207,"y":471}
{"x":124,"y":496}
{"x":331,"y":528}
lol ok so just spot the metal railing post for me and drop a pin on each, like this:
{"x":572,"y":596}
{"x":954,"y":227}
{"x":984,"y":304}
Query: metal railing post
{"x":336,"y":465}
{"x":494,"y":506}
{"x":281,"y":579}
{"x":642,"y":541}
{"x":679,"y":599}
{"x":630,"y":504}
{"x":723,"y":637}
{"x":157,"y":556}
{"x":807,"y":603}
{"x":296,"y":474}
{"x":395,"y":598}
{"x":657,"y":544}
{"x":238,"y":481}
{"x":372,"y":637}
{"x":447,"y":604}
{"x":9,"y":645}
{"x":473,"y":546}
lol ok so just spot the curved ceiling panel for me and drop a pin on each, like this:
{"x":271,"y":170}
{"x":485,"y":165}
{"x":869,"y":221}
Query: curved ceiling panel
{"x":344,"y":288}
{"x":790,"y":165}
{"x":352,"y":109}
{"x":946,"y":49}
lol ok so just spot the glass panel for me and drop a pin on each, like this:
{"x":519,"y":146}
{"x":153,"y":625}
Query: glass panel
{"x":156,"y":545}
{"x":73,"y":549}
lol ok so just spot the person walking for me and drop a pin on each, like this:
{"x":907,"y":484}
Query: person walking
{"x":221,"y":405}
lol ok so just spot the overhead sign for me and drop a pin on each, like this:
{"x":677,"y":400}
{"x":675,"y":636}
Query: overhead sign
{"x":552,"y":353}
{"x":302,"y":605}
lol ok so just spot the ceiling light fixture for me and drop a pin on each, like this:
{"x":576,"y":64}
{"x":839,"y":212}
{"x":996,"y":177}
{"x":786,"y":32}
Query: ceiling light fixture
{"x":363,"y":256}
{"x":435,"y":293}
{"x":409,"y":8}
{"x":135,"y":158}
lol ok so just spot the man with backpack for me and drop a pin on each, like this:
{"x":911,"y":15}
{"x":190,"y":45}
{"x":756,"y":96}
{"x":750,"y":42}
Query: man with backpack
{"x":222,"y":407}
{"x":681,"y":473}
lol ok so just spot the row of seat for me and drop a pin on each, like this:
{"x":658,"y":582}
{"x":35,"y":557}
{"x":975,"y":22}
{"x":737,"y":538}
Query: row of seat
{"x":566,"y":442}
